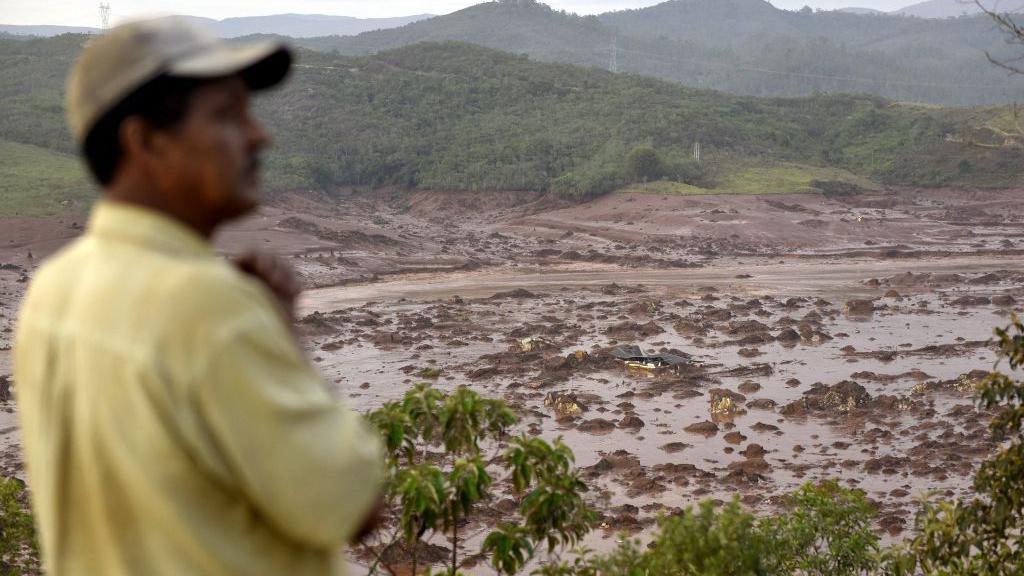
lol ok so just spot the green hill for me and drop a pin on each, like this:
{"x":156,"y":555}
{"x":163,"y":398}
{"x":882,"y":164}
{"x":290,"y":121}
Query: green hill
{"x":743,"y":47}
{"x":458,"y":116}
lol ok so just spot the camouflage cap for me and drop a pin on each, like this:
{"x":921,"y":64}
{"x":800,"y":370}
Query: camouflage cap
{"x":116,"y":64}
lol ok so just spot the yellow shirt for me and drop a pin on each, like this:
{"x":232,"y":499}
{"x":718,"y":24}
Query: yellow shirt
{"x":171,"y":426}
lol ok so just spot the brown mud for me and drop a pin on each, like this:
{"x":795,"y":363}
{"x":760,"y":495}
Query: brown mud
{"x":831,"y":338}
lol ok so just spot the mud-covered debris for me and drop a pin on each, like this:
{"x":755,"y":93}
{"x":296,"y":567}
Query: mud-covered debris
{"x":634,"y":330}
{"x":966,"y":383}
{"x":843,"y":398}
{"x":564,"y":404}
{"x":531,"y":343}
{"x":725,"y":404}
{"x":965,"y":301}
{"x":517,"y":294}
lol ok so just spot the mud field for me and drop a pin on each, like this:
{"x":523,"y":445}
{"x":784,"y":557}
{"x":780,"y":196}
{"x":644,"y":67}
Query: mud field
{"x":827,"y":338}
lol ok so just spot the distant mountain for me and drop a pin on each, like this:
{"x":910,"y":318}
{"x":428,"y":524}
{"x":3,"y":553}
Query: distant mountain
{"x":45,"y":31}
{"x":861,"y":11}
{"x":744,"y":47}
{"x":308,"y":25}
{"x":954,"y":8}
{"x":294,"y":25}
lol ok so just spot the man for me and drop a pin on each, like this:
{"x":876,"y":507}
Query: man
{"x":170,"y":423}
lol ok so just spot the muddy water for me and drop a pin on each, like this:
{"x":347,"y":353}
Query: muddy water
{"x":792,"y":276}
{"x":918,"y":432}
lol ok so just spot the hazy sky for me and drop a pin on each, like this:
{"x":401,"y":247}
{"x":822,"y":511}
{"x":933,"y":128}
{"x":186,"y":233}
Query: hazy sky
{"x":86,"y":13}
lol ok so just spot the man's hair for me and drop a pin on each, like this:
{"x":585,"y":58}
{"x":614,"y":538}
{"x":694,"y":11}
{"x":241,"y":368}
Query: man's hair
{"x":162,"y":102}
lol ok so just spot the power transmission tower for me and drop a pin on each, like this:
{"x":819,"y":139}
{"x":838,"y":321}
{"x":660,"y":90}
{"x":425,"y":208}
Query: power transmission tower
{"x":613,"y":65}
{"x":696,"y":151}
{"x":105,"y":15}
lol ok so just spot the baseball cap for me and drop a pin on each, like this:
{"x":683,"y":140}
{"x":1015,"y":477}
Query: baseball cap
{"x":116,"y":64}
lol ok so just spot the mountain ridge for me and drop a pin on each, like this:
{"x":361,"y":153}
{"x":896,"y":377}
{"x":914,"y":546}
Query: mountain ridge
{"x":290,"y":24}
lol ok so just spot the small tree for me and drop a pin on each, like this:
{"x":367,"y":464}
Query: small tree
{"x":644,"y":163}
{"x":826,"y":531}
{"x":434,"y":491}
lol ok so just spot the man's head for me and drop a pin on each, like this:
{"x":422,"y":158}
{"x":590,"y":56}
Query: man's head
{"x":161,"y":111}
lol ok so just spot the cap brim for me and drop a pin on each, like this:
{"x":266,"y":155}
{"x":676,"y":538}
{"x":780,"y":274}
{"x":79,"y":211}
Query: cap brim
{"x":261,"y":65}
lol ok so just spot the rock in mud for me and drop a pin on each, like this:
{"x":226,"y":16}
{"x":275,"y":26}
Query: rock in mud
{"x":753,"y":451}
{"x":788,"y":337}
{"x":965,"y":301}
{"x":675,"y":447}
{"x":1003,"y":300}
{"x":858,"y":307}
{"x":706,"y":428}
{"x":734,"y":437}
{"x":631,"y":422}
{"x":633,"y":330}
{"x":518,"y":293}
{"x":596,"y":426}
{"x":749,"y":387}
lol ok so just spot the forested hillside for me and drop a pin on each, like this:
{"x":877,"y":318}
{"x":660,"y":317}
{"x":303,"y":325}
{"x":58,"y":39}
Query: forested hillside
{"x":739,"y":46}
{"x":457,"y":116}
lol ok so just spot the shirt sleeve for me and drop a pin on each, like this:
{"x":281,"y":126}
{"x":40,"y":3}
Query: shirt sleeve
{"x":309,"y":465}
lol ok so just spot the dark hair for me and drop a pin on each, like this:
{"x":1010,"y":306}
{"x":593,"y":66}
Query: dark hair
{"x":162,"y":102}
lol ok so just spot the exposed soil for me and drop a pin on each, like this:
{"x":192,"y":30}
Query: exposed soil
{"x":831,"y":338}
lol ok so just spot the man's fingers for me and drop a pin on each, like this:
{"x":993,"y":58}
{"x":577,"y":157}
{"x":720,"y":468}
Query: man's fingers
{"x":276,"y":274}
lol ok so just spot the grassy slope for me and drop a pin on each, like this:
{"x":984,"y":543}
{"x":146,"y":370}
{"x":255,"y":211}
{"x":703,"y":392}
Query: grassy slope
{"x":760,"y":179}
{"x":39,"y":182}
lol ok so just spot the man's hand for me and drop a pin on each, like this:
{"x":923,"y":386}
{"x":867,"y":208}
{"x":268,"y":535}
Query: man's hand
{"x":277,"y":275}
{"x":371,"y":522}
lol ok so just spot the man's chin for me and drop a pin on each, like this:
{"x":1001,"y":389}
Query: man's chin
{"x":243,"y":203}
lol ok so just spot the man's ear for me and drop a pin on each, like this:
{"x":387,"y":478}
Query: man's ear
{"x":139,"y":140}
{"x":134,"y":137}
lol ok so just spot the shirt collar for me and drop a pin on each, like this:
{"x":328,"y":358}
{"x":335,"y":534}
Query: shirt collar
{"x":147,"y":228}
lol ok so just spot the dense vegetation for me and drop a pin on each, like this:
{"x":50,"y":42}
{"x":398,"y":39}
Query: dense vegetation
{"x":739,"y":46}
{"x":456,"y":116}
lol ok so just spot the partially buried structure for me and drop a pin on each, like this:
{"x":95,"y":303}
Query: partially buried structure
{"x":634,"y":357}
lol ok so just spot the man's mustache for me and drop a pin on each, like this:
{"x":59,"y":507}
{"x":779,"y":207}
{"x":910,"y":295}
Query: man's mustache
{"x":254,"y":165}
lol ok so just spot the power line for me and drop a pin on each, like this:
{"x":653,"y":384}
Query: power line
{"x":105,"y":15}
{"x":613,"y":65}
